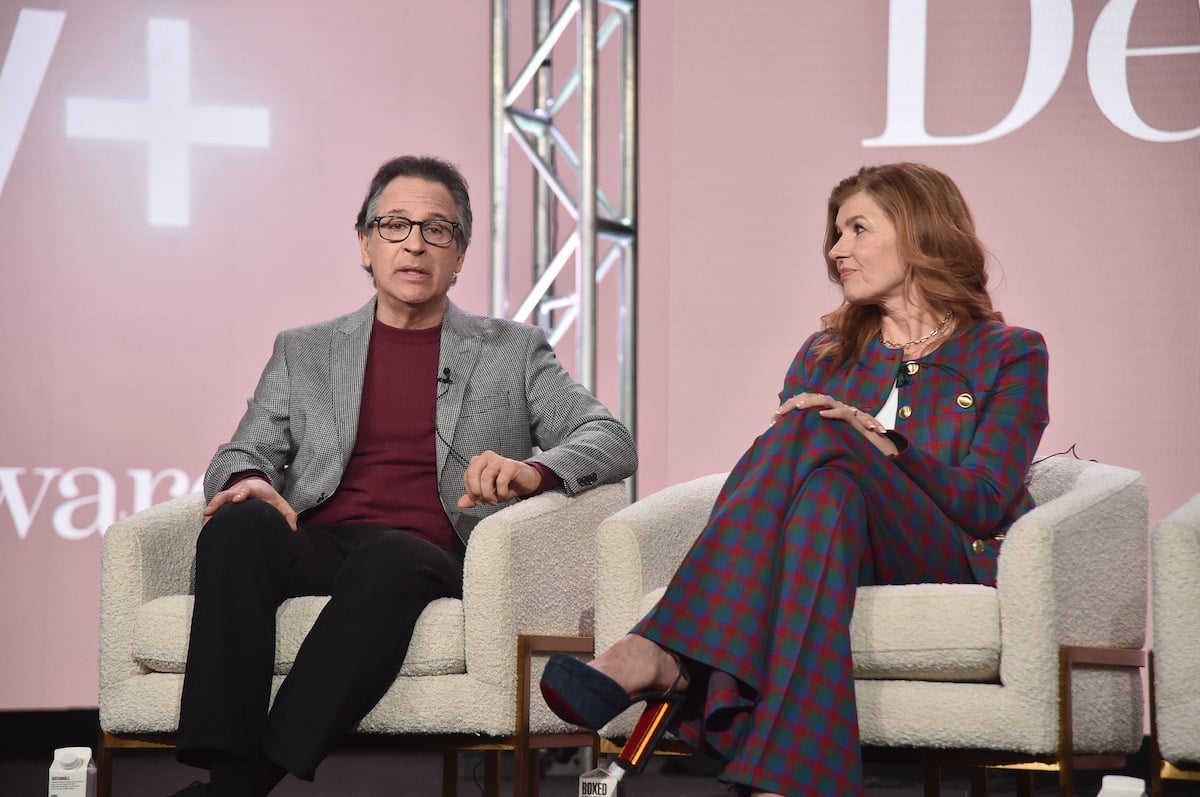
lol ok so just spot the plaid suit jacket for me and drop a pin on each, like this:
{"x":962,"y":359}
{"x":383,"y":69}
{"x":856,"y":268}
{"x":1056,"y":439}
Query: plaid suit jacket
{"x":971,"y":416}
{"x":507,"y":393}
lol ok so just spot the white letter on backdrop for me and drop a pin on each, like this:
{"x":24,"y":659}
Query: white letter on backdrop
{"x":145,"y":482}
{"x":1051,"y":29}
{"x":1107,"y":52}
{"x":105,"y":500}
{"x":10,"y":493}
{"x":25,"y":65}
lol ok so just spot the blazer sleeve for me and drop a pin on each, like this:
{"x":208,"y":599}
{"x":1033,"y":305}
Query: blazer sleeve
{"x":982,"y":491}
{"x":263,"y":439}
{"x":578,"y":437}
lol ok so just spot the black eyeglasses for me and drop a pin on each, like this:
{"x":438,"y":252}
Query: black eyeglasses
{"x":436,"y":232}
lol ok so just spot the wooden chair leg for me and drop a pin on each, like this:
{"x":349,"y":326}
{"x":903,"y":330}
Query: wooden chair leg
{"x":103,"y":767}
{"x":1024,"y":783}
{"x":1156,"y":760}
{"x":526,"y":770}
{"x":450,"y":772}
{"x":1066,"y":779}
{"x":979,"y":782}
{"x":933,"y":779}
{"x":491,"y":773}
{"x":520,"y":774}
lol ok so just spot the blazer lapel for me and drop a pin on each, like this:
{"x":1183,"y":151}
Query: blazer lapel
{"x":459,"y":352}
{"x":347,"y":368}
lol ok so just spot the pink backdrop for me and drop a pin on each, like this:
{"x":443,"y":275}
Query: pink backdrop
{"x":178,"y":183}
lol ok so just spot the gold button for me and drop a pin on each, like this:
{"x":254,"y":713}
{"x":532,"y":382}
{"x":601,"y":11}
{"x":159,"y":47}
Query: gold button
{"x":912,"y":367}
{"x":977,"y":546}
{"x":904,"y":411}
{"x":965,"y":400}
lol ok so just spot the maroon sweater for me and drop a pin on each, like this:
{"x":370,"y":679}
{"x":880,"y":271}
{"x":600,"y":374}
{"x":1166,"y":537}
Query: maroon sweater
{"x":392,"y":478}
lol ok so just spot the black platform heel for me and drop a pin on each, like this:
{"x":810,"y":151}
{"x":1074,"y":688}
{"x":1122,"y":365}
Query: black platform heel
{"x":584,"y":696}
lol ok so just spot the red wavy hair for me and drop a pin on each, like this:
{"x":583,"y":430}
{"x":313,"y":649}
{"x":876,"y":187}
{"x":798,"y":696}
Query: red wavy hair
{"x":945,"y":262}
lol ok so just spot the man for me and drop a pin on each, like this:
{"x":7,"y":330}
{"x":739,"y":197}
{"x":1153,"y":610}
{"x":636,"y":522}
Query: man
{"x":371,"y":448}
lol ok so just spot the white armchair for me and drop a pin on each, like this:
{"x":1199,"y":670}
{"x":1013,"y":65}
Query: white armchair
{"x":528,"y":584}
{"x":965,"y":673}
{"x":1175,"y":670}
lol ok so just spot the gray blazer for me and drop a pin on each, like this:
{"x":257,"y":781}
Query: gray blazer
{"x":507,"y":392}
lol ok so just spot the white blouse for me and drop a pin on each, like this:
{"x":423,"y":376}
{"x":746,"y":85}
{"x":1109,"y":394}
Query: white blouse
{"x":887,"y":415}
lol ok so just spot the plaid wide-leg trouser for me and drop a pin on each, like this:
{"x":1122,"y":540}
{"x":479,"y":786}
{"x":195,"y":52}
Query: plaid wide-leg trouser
{"x":762,"y":602}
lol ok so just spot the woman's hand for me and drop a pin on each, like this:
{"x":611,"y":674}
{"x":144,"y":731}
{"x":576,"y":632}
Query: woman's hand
{"x":254,"y":487}
{"x":866,"y":425}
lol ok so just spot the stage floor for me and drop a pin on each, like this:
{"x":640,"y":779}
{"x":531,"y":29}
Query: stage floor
{"x":375,"y":773}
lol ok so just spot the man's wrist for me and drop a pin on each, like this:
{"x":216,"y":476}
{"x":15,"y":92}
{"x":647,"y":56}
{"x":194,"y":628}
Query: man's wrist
{"x":548,"y":479}
{"x":242,"y":476}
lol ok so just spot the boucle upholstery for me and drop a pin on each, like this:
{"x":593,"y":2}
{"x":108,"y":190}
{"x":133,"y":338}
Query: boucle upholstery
{"x":1072,"y":572}
{"x":1176,"y":589}
{"x":160,"y":638}
{"x":957,"y":636}
{"x":528,"y":570}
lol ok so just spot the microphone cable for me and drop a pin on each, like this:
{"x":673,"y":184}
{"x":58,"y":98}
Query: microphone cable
{"x":445,"y":381}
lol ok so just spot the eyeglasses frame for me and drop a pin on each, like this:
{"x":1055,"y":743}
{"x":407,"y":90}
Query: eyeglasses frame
{"x":455,"y":228}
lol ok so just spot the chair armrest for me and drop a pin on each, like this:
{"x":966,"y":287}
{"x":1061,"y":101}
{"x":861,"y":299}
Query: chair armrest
{"x":530,"y":569}
{"x":1176,"y":562}
{"x":639,"y":549}
{"x":145,"y":556}
{"x":1072,"y":571}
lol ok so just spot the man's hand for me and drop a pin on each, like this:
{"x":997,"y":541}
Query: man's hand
{"x":254,"y":487}
{"x":493,"y":479}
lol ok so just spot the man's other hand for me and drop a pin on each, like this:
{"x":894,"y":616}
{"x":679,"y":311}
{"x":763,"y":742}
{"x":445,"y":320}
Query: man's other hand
{"x":254,"y":487}
{"x":493,"y":479}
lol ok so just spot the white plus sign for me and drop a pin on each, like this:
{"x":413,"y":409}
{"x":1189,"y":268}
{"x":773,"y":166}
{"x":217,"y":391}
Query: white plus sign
{"x":168,"y":122}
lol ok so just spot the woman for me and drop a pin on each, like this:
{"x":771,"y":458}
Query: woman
{"x":897,"y":455}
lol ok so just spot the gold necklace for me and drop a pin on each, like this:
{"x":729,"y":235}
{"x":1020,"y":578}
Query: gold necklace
{"x":933,"y":332}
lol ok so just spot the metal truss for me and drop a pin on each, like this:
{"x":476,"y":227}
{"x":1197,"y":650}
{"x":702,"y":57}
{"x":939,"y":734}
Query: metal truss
{"x":574,"y":219}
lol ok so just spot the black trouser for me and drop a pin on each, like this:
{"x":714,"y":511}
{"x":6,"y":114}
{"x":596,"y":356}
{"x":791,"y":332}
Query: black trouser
{"x":248,"y":560}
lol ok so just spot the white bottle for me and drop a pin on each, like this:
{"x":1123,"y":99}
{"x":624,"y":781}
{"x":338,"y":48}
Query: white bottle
{"x":1122,"y":786}
{"x":72,"y":773}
